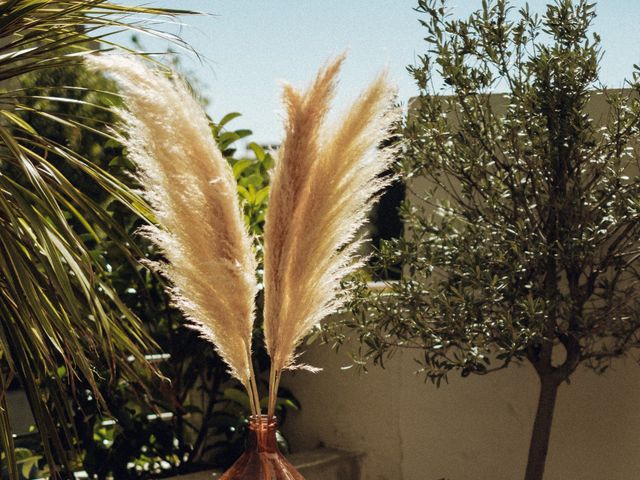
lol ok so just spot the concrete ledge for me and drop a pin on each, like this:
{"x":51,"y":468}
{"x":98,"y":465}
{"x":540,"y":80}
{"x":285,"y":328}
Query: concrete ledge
{"x":328,"y":464}
{"x":318,"y":464}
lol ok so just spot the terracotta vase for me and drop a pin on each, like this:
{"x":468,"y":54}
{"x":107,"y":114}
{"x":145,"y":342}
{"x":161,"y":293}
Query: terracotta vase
{"x":262,"y":459}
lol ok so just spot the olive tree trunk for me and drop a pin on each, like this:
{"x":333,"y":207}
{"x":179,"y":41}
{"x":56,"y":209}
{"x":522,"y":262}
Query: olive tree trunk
{"x":542,"y":428}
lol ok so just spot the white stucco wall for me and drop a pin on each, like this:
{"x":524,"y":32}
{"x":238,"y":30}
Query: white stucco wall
{"x":471,"y":429}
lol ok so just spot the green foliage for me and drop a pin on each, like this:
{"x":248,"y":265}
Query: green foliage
{"x":523,"y":223}
{"x":252,"y":174}
{"x":27,"y":462}
{"x":56,"y":92}
{"x":57,"y":308}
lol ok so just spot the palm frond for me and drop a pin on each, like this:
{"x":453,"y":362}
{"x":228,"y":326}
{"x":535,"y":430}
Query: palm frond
{"x":59,"y":316}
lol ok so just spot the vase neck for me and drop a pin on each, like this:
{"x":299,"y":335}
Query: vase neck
{"x":262,"y":433}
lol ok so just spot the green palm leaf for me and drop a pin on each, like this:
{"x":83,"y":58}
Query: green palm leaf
{"x":56,"y":305}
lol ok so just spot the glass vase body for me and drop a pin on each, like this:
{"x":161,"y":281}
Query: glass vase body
{"x":262,"y":459}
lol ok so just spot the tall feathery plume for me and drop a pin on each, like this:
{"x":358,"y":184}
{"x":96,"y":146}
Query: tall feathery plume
{"x":325,"y":182}
{"x":192,"y":191}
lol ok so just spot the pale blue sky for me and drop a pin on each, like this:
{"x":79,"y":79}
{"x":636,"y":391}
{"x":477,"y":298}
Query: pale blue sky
{"x":249,"y":47}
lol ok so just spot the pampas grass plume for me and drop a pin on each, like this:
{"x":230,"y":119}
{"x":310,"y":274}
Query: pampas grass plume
{"x":325,"y":181}
{"x":192,"y":191}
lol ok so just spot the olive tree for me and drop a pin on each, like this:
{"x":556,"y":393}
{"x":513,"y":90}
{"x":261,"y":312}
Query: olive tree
{"x":522,"y":217}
